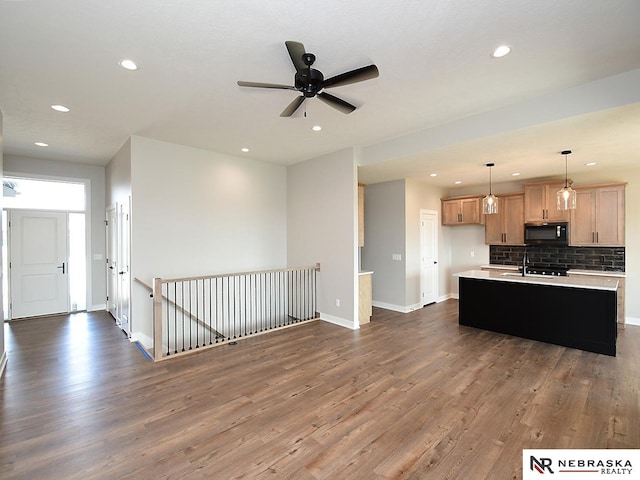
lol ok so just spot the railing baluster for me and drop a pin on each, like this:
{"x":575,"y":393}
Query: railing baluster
{"x":227,"y":307}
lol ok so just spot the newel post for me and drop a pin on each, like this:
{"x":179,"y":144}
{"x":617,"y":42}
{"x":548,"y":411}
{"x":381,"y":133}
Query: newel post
{"x":157,"y":319}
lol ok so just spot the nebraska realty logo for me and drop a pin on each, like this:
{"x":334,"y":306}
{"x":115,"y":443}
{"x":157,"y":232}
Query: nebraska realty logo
{"x":580,"y":463}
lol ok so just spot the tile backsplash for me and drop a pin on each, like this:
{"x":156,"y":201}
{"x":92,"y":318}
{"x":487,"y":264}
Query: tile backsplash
{"x":607,"y":259}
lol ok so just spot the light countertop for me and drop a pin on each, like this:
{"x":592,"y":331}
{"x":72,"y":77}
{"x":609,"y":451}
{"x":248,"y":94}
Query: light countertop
{"x":574,"y":271}
{"x":582,"y":281}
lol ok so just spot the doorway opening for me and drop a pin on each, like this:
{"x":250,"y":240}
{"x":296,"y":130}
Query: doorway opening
{"x":25,"y":195}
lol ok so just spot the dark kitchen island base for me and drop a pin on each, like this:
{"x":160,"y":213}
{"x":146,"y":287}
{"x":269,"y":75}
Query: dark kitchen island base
{"x":580,"y":318}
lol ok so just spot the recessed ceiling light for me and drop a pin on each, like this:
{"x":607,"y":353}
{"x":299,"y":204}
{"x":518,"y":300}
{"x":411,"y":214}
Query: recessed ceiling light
{"x":515,"y":174}
{"x":590,"y":164}
{"x":458,"y":182}
{"x":128,"y":64}
{"x":60,"y":108}
{"x":501,"y":51}
{"x":316,"y":128}
{"x":41,"y":144}
{"x":245,"y":149}
{"x":433,"y":174}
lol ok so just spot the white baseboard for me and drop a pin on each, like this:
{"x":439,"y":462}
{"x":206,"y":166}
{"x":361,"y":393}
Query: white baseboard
{"x":342,"y":322}
{"x":391,"y":306}
{"x":95,"y":308}
{"x":3,"y":363}
{"x":146,"y":341}
{"x":632,"y":321}
{"x":406,"y":309}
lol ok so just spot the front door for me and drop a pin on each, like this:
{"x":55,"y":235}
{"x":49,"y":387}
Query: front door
{"x":429,"y":256}
{"x":38,"y":263}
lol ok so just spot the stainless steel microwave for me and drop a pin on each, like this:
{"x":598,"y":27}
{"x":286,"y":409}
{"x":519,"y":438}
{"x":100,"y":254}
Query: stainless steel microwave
{"x":546,"y":233}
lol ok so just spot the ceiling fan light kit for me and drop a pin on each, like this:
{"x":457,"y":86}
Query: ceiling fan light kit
{"x":311,"y":82}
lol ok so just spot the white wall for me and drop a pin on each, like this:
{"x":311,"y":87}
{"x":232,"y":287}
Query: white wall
{"x":3,"y":353}
{"x":118,"y":176}
{"x":95,"y":175}
{"x":384,"y":236}
{"x":322,"y":227}
{"x":197,"y":212}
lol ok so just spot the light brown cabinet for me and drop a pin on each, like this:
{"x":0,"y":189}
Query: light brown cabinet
{"x":599,"y":216}
{"x":540,"y":203}
{"x":507,"y":226}
{"x":462,"y":211}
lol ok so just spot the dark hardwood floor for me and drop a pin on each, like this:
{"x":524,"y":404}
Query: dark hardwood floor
{"x":407,"y":396}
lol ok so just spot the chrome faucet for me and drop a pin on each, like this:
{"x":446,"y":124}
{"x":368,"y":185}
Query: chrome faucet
{"x":525,"y":260}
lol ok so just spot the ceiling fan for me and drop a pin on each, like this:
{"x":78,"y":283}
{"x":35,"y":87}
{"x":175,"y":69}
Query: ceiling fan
{"x":310,"y":82}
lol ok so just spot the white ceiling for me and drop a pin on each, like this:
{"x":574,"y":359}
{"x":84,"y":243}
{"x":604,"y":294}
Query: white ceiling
{"x":435,"y":70}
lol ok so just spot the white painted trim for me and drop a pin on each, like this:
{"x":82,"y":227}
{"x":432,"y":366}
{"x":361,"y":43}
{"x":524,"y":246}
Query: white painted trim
{"x":3,"y":363}
{"x":342,"y":322}
{"x":455,"y":295}
{"x":444,"y":298}
{"x":392,"y":307}
{"x":632,"y":321}
{"x":95,"y":308}
{"x":410,"y":308}
{"x":147,"y":342}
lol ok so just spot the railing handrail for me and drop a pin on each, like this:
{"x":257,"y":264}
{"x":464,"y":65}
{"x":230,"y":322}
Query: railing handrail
{"x":259,"y":311}
{"x":237,"y":274}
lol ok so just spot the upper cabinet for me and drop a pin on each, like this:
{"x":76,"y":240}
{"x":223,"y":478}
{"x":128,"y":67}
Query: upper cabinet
{"x":462,"y":211}
{"x":599,"y":216}
{"x":540,"y":204}
{"x":507,"y":226}
{"x":360,"y":215}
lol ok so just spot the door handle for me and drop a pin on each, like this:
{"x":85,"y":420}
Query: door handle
{"x":62,"y":267}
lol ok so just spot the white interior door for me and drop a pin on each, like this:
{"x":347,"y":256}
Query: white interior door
{"x":38,"y":263}
{"x":112,"y":264}
{"x":124,"y":244}
{"x":429,"y":256}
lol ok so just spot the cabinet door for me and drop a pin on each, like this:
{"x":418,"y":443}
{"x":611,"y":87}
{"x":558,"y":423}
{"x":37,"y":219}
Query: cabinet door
{"x":470,"y":208}
{"x":450,"y":212}
{"x":513,"y":219}
{"x":535,"y":203}
{"x":553,"y":214}
{"x":609,"y":215}
{"x":582,"y":228}
{"x":493,"y":231}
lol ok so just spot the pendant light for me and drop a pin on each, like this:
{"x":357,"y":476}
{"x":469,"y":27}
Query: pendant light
{"x":566,"y":196}
{"x":490,"y":202}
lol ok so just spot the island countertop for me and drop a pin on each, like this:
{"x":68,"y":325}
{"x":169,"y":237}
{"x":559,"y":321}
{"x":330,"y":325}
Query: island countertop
{"x":583,"y":281}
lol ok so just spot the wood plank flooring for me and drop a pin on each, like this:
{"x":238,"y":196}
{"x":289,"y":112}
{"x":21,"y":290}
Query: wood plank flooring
{"x":408,"y":396}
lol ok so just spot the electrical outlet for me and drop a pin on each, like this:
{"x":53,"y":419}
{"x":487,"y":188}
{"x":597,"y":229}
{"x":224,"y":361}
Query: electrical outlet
{"x":337,"y":302}
{"x":473,"y":254}
{"x":397,"y":257}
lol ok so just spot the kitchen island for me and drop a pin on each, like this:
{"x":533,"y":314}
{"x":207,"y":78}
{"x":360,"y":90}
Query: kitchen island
{"x":576,"y":312}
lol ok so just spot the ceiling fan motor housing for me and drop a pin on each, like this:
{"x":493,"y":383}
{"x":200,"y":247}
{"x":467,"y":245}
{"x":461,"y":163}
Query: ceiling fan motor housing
{"x":309,"y":82}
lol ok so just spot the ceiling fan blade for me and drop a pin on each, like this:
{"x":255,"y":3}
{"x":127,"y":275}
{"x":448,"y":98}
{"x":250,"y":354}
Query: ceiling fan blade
{"x":296,"y":51}
{"x":293,"y":106}
{"x":265,"y":85}
{"x":336,"y":102}
{"x":354,"y":76}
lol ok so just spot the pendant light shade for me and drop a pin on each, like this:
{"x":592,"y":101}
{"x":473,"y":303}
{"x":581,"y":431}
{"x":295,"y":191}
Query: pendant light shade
{"x":490,"y":202}
{"x":566,"y":196}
